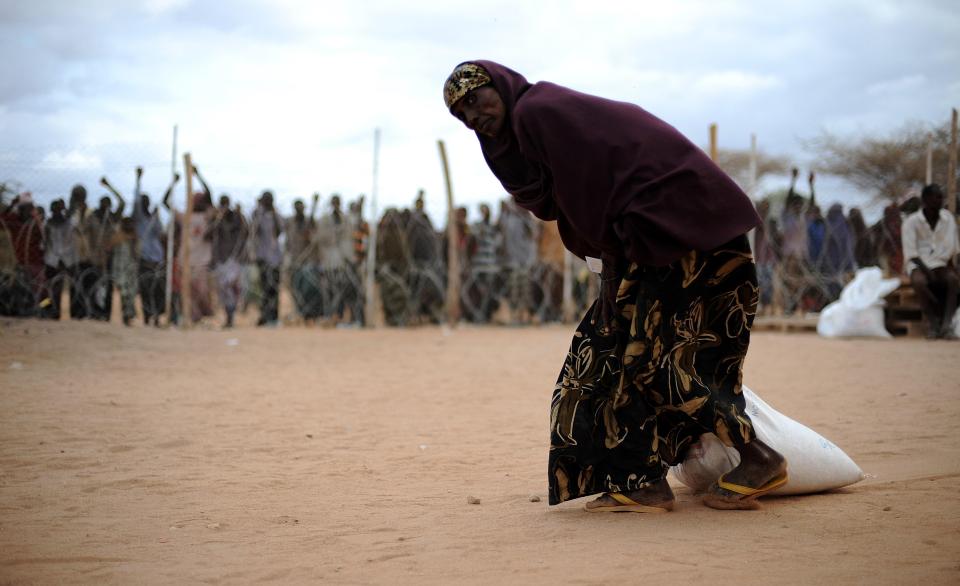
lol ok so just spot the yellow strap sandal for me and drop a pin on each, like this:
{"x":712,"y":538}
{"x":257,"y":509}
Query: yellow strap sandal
{"x":624,"y":504}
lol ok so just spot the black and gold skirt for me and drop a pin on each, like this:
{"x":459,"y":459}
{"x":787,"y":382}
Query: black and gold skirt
{"x":629,"y":402}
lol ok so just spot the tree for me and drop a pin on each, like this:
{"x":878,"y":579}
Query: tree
{"x":889,"y":166}
{"x":736,"y":164}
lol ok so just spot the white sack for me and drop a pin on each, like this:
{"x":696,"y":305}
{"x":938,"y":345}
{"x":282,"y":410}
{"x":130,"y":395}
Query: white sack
{"x":814,"y":464}
{"x":859,"y":311}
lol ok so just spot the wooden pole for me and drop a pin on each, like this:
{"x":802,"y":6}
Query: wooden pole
{"x":713,"y":142}
{"x":185,"y":299}
{"x":753,"y":166}
{"x":568,"y":308}
{"x":952,"y":166}
{"x":928,"y":179}
{"x":371,"y":272}
{"x":168,"y":277}
{"x":453,"y":256}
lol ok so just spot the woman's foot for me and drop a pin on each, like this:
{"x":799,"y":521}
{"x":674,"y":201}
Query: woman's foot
{"x":761,"y":470}
{"x":656,"y":498}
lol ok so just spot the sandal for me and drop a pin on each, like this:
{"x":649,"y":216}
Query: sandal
{"x":744,"y":497}
{"x":625,"y":504}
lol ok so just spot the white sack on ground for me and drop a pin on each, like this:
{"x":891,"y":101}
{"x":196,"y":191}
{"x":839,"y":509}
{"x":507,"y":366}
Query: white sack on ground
{"x":859,"y":311}
{"x":814,"y":463}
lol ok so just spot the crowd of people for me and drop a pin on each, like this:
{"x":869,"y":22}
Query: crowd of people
{"x":805,"y":258}
{"x":240,"y":260}
{"x":511,"y":267}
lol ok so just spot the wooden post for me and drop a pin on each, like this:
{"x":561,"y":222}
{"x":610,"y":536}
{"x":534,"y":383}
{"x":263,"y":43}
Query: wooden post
{"x":753,"y":166}
{"x":952,"y":166}
{"x":713,"y":142}
{"x":171,"y":225}
{"x":370,"y":285}
{"x":568,"y":308}
{"x":185,"y":299}
{"x":928,"y":179}
{"x":453,"y":256}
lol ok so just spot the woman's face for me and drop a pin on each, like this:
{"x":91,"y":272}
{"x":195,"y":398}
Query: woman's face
{"x":482,"y":111}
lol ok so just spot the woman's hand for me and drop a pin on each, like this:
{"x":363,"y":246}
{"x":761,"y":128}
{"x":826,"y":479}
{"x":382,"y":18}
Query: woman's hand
{"x":605,"y":310}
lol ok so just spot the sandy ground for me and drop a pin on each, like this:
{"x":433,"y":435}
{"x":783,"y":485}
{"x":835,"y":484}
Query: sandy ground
{"x":306,"y":456}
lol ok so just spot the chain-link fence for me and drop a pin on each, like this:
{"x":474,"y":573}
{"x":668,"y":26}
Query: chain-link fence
{"x":120,"y":260}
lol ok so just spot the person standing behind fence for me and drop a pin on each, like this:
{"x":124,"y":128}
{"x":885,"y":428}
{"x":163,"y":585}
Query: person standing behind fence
{"x":23,"y":222}
{"x":60,"y":256}
{"x":335,"y":242}
{"x":837,"y":260}
{"x":151,"y":266}
{"x":123,"y":267}
{"x":8,"y":266}
{"x":864,"y":248}
{"x":229,"y":254}
{"x":766,"y":239}
{"x":519,"y":252}
{"x":887,"y":237}
{"x":361,"y":231}
{"x":266,"y":227}
{"x":795,"y":249}
{"x":930,"y":245}
{"x":427,"y":273}
{"x":483,"y":265}
{"x":81,"y":290}
{"x":302,"y":260}
{"x":99,"y":229}
{"x":200,"y":223}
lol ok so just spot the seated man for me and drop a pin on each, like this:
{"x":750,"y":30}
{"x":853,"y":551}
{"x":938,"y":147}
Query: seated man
{"x":930,"y":244}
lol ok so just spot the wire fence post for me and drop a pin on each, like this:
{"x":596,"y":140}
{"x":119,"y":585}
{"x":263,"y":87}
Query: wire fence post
{"x":171,"y":234}
{"x":453,"y":254}
{"x":370,"y":305}
{"x":185,"y":297}
{"x":952,"y":166}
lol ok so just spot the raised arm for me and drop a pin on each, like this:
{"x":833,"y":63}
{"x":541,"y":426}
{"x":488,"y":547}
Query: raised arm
{"x":13,"y":203}
{"x":111,"y":188}
{"x":203,"y":183}
{"x":116,"y":194}
{"x":810,"y":181}
{"x":169,"y":192}
{"x":313,"y":206}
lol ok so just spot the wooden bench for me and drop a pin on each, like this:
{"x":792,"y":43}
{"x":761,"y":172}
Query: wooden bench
{"x":903,"y":314}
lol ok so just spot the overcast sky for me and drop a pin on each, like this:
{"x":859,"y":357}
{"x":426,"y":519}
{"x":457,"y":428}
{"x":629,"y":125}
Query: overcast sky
{"x":285,"y":94}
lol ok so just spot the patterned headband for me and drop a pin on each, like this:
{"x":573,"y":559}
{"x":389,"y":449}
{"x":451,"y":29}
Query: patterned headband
{"x":465,"y":78}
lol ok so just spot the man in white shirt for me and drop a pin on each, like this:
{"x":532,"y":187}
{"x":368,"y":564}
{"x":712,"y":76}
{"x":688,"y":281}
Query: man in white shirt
{"x":930,"y":245}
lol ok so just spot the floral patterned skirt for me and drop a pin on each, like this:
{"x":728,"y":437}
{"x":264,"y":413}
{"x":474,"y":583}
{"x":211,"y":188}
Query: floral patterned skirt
{"x":629,"y":402}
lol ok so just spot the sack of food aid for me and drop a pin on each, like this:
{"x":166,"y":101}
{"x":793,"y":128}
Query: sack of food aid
{"x":814,"y":463}
{"x":859,"y":311}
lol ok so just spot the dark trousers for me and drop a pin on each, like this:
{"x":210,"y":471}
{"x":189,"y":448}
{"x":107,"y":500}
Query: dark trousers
{"x":80,"y":298}
{"x":152,"y":277}
{"x":97,"y":291}
{"x":270,"y":290}
{"x":937,"y":292}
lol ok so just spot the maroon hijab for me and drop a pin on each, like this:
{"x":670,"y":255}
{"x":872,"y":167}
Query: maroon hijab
{"x":617,"y":179}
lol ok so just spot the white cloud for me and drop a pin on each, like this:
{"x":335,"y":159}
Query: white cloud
{"x":735,"y":82}
{"x":899,"y":85}
{"x":155,"y":7}
{"x":286,"y":94}
{"x":71,"y":160}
